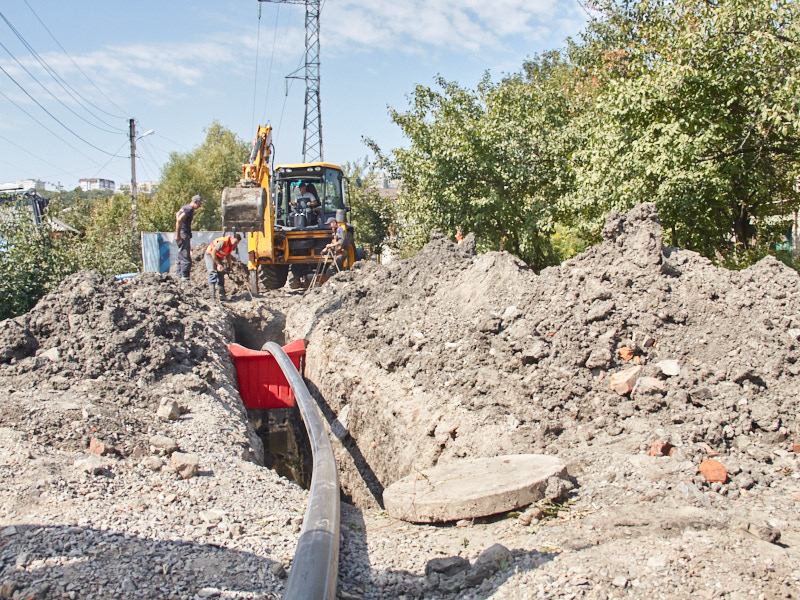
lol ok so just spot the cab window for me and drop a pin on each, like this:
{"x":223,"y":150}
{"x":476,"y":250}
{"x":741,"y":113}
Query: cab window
{"x":333,"y":190}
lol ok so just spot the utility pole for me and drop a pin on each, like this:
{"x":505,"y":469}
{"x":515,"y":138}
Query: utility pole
{"x":133,"y":173}
{"x":312,"y":123}
{"x":133,"y":169}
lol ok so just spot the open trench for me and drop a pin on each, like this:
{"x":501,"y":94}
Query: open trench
{"x":287,"y":449}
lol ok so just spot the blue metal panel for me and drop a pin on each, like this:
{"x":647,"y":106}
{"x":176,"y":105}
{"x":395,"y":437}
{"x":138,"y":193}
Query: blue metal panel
{"x":159,"y":252}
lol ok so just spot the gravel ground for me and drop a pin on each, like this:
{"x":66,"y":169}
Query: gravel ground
{"x":129,"y":468}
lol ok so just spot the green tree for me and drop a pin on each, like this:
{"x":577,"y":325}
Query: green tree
{"x":492,"y":161}
{"x":373,"y":217}
{"x":32,"y":261}
{"x":214,"y":165}
{"x":696,"y":106}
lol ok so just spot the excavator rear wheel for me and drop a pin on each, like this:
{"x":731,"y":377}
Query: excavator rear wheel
{"x":273,"y":277}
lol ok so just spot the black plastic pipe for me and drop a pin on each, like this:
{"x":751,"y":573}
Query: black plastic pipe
{"x":315,"y":566}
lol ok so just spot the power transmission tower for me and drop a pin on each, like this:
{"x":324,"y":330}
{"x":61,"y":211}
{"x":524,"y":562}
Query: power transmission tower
{"x":312,"y":123}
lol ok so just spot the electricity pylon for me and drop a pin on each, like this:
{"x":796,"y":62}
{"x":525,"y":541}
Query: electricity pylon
{"x":312,"y":123}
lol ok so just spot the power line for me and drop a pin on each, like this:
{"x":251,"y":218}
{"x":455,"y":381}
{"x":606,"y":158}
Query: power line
{"x":271,"y":60}
{"x":48,"y":69}
{"x":57,"y":99}
{"x":588,"y":14}
{"x":42,"y":124}
{"x":100,"y":170}
{"x":123,"y":112}
{"x":255,"y":78}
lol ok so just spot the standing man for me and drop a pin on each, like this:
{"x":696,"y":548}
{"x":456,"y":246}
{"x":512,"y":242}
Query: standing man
{"x":183,"y":235}
{"x":216,"y":254}
{"x":336,"y":246}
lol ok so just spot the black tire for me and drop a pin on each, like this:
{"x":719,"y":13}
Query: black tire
{"x":273,"y":277}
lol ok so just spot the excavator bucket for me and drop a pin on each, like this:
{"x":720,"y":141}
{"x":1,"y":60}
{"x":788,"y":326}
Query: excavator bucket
{"x":243,"y":209}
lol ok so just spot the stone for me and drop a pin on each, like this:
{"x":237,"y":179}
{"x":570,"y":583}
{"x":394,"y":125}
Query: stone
{"x":93,"y":465}
{"x":187,"y":465}
{"x":340,"y":426}
{"x":7,"y":589}
{"x":472,"y":487}
{"x":168,"y":410}
{"x":713,"y":471}
{"x":649,"y":385}
{"x":669,"y":367}
{"x":531,"y":514}
{"x":163,"y":444}
{"x":449,"y":566}
{"x":495,"y":558}
{"x":623,"y":382}
{"x":53,"y":354}
{"x":620,"y":581}
{"x":154,"y":463}
{"x":535,"y":352}
{"x":211,"y":515}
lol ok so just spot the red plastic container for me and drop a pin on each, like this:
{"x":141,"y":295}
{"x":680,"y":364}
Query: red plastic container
{"x":262,"y":384}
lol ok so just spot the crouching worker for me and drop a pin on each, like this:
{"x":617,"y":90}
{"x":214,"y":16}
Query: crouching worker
{"x":218,"y":251}
{"x":337,"y":247}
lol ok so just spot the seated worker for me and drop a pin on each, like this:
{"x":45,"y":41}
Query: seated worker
{"x":307,"y":198}
{"x":218,"y":251}
{"x":337,"y":246}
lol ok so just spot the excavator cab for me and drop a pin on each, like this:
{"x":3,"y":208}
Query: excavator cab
{"x":306,"y":195}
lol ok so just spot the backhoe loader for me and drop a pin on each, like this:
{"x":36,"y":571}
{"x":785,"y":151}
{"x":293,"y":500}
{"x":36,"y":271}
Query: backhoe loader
{"x":285,"y":228}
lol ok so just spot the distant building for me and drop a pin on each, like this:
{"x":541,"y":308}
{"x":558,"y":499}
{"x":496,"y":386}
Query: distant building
{"x":142,"y":187}
{"x":383,"y":180}
{"x":88,"y":185}
{"x":23,"y":184}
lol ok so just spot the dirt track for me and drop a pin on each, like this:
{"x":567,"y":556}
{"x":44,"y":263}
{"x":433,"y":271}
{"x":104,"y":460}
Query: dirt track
{"x":442,"y":356}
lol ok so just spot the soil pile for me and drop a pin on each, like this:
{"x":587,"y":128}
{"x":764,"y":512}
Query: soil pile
{"x":633,"y":362}
{"x":128,"y":467}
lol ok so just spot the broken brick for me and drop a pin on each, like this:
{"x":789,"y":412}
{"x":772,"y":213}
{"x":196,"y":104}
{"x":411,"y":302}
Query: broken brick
{"x":659,"y":448}
{"x":623,"y":381}
{"x":713,"y":471}
{"x":625,"y":353}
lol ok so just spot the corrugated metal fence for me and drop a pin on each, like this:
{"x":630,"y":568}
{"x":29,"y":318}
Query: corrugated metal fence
{"x":159,"y":251}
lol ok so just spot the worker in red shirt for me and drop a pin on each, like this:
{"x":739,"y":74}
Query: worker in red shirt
{"x":219,"y":251}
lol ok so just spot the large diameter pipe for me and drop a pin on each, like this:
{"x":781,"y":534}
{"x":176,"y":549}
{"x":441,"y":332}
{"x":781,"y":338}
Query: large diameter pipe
{"x":315,"y":566}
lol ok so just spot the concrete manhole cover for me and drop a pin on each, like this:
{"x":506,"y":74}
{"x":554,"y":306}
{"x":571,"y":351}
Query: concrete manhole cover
{"x":471,"y":488}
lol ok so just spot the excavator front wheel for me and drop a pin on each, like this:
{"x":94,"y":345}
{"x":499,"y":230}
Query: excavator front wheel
{"x":273,"y":277}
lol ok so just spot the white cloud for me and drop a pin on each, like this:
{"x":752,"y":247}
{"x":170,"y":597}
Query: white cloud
{"x":461,"y":25}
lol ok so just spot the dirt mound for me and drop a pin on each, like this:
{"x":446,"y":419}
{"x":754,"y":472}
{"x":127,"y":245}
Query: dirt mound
{"x":107,"y":352}
{"x":450,"y":355}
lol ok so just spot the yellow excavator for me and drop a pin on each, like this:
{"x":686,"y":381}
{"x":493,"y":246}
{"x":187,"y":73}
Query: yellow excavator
{"x":283,"y":214}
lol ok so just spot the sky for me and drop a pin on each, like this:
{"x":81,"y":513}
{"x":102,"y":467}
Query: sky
{"x":73,"y":74}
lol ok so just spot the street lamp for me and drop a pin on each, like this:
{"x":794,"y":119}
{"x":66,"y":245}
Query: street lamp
{"x":133,"y":168}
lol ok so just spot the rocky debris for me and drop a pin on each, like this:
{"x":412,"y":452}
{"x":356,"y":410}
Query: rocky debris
{"x":448,"y":355}
{"x":104,"y":493}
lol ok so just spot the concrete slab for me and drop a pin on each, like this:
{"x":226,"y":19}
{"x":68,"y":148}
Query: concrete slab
{"x":472,"y":487}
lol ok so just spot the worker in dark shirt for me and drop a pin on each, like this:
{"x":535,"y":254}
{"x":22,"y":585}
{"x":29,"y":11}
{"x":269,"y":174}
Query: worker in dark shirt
{"x":183,"y":235}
